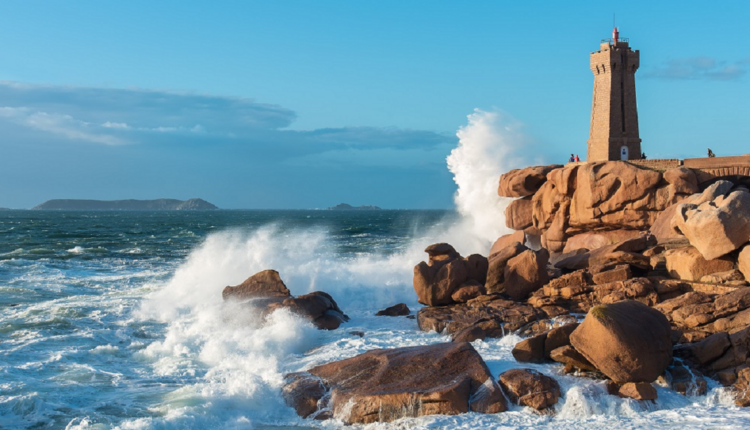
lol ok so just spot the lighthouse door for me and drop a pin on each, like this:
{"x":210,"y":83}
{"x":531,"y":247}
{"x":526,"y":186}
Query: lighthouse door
{"x":624,"y":153}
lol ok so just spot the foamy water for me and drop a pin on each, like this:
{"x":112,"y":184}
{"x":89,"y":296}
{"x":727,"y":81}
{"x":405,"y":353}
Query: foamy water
{"x":116,"y":320}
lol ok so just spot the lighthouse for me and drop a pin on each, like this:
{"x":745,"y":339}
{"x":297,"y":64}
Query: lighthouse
{"x":614,"y":114}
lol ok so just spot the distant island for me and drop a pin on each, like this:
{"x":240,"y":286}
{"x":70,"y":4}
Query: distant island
{"x":347,"y":207}
{"x":125,"y":205}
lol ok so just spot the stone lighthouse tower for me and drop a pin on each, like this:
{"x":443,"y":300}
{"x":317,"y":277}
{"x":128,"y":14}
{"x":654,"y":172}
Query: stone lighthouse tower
{"x":614,"y":115}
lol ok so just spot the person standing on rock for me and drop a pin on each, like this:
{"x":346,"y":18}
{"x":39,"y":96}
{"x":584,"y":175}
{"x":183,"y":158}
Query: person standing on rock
{"x":577,"y":160}
{"x":572,"y":159}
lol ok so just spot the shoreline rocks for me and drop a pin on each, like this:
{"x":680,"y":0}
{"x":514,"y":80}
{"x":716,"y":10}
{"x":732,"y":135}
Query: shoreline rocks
{"x":388,"y":384}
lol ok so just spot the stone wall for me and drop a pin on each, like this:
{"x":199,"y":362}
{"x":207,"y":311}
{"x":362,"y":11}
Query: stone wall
{"x":658,"y":164}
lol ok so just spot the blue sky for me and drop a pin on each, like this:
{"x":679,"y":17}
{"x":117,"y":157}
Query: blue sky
{"x":302,"y":104}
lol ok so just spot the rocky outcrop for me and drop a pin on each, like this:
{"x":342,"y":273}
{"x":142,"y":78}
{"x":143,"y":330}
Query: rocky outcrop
{"x":266,"y":290}
{"x":688,"y":263}
{"x":524,"y":182}
{"x":527,"y":387}
{"x":388,"y":384}
{"x":627,"y":341}
{"x":517,"y":271}
{"x":716,"y":227}
{"x":445,"y":272}
{"x":265,"y":284}
{"x":492,"y":315}
{"x":518,"y":214}
{"x":394,"y":311}
{"x":318,"y":307}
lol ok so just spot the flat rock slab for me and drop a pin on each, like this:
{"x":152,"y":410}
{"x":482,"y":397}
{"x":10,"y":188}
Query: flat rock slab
{"x":388,"y":384}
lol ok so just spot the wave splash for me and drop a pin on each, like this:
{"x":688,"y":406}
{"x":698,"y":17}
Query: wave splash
{"x":237,"y":362}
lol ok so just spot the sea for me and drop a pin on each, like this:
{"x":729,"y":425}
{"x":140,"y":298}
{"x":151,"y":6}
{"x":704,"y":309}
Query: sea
{"x":116,"y":320}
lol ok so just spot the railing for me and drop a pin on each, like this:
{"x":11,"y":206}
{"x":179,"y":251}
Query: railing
{"x":621,"y":39}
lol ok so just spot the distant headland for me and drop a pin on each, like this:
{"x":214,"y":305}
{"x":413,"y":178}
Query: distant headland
{"x":126,"y":205}
{"x":348,"y":207}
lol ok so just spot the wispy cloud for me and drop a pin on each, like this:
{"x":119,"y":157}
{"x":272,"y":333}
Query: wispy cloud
{"x":133,"y":116}
{"x":705,"y":68}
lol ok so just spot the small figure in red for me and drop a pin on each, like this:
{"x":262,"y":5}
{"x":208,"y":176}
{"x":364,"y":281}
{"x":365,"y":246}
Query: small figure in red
{"x":577,"y":159}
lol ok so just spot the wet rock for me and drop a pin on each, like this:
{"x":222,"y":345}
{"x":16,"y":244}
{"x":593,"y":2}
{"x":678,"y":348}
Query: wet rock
{"x":496,"y":316}
{"x":469,"y":334}
{"x":568,"y":356}
{"x":302,"y":392}
{"x":686,"y":381}
{"x":319,"y":307}
{"x":394,"y":311}
{"x":530,"y":350}
{"x":558,"y":337}
{"x":717,"y":227}
{"x":524,"y":182}
{"x":265,"y":284}
{"x":637,"y":391}
{"x":688,"y":263}
{"x":388,"y":384}
{"x":527,"y":387}
{"x":627,"y":341}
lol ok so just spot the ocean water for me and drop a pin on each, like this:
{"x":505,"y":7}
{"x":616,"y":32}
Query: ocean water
{"x":115,"y":320}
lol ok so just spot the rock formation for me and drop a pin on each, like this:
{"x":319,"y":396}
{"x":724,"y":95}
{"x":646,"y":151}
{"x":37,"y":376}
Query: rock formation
{"x":266,"y":290}
{"x":387,"y":384}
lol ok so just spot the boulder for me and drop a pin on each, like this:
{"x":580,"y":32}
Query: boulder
{"x":388,"y":384}
{"x":525,"y":273}
{"x":568,"y":356}
{"x":436,"y":281}
{"x":318,"y":307}
{"x":705,"y":351}
{"x":557,"y":338}
{"x":717,"y":227}
{"x":506,"y":240}
{"x":597,"y":239}
{"x":498,"y":262}
{"x":663,"y":227}
{"x":493,"y":314}
{"x":742,"y":388}
{"x":688,"y":263}
{"x":394,"y":311}
{"x":265,"y":284}
{"x":682,"y":180}
{"x":527,"y":387}
{"x":444,"y":273}
{"x":530,"y":350}
{"x":743,"y":262}
{"x":626,"y":252}
{"x":614,"y":194}
{"x":637,"y":391}
{"x":627,"y":341}
{"x":470,"y":289}
{"x":524,"y":182}
{"x":518,"y":214}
